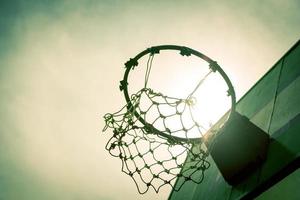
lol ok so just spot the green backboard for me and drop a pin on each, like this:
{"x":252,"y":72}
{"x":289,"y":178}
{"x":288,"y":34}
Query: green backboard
{"x":272,"y":104}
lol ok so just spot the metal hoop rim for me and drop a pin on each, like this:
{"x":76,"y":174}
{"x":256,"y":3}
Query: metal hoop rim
{"x":184,"y":51}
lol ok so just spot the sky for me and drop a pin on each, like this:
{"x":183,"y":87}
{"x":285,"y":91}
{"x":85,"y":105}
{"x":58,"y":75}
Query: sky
{"x":60,"y":67}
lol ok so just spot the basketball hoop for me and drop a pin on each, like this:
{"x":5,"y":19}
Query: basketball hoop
{"x":153,"y":155}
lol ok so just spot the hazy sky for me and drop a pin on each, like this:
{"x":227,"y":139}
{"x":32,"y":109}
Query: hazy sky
{"x":60,"y":66}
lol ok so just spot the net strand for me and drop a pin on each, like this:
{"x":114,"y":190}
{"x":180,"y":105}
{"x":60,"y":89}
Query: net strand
{"x":148,"y":69}
{"x":199,"y":84}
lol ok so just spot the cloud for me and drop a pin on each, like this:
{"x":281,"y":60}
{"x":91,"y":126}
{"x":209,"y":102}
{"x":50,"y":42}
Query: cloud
{"x":61,"y":62}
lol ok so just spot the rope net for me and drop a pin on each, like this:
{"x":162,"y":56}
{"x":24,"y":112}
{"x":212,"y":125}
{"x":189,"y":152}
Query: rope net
{"x":154,"y":135}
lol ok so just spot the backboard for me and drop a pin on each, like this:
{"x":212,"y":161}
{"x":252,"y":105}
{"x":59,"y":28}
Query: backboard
{"x":272,"y":104}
